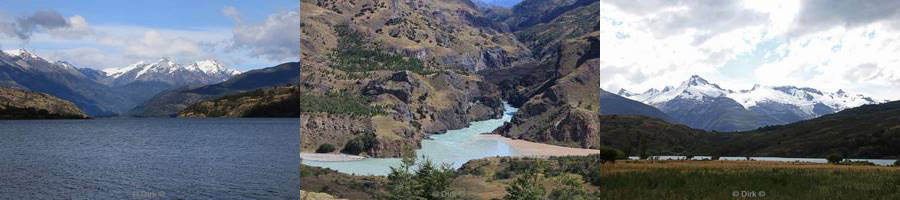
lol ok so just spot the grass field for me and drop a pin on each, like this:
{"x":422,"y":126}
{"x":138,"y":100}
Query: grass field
{"x":488,"y":178}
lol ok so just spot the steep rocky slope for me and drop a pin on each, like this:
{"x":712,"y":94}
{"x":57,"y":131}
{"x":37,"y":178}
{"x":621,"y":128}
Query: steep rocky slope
{"x":448,"y":34}
{"x":380,"y":76}
{"x":388,"y":112}
{"x":21,"y":104}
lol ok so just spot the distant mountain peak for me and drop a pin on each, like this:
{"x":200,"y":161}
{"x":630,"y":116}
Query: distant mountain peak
{"x":697,"y":80}
{"x":623,"y":92}
{"x":804,"y":99}
{"x":165,"y":69}
{"x":65,"y":64}
{"x":21,"y":53}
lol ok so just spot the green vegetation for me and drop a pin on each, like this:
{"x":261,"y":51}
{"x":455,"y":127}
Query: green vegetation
{"x":689,"y":179}
{"x":834,"y":158}
{"x":315,"y":179}
{"x":32,"y":113}
{"x":340,"y":103}
{"x":610,"y":155}
{"x":868,"y":131}
{"x":362,"y":143}
{"x":772,"y":183}
{"x":897,"y":163}
{"x":585,"y":177}
{"x":573,"y":188}
{"x":355,"y":54}
{"x":528,"y":186}
{"x":325,"y":148}
{"x":426,"y":182}
{"x":283,"y":108}
{"x":643,"y":147}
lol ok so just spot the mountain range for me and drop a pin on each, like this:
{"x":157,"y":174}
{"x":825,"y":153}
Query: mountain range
{"x":704,"y":105}
{"x":104,"y":92}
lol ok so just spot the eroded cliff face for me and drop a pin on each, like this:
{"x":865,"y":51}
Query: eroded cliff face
{"x":411,"y":107}
{"x":21,"y":104}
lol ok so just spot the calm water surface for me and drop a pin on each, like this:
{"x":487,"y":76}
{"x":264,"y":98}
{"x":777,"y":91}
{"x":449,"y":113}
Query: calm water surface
{"x":150,"y":159}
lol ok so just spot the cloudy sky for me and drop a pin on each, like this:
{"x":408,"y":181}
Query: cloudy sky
{"x":102,"y":34}
{"x":824,"y":44}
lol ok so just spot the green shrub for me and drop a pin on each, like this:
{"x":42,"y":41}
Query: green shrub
{"x":359,"y":144}
{"x":897,"y":163}
{"x":355,"y":54}
{"x":610,"y":155}
{"x":337,"y":103}
{"x":834,"y":158}
{"x":429,"y":181}
{"x":325,"y":148}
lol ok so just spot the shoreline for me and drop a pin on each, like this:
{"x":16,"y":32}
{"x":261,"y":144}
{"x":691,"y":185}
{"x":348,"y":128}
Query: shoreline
{"x":329,"y":157}
{"x":526,"y":148}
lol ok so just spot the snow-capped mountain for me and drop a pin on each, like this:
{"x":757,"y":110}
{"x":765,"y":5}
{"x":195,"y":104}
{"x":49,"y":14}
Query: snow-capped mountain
{"x":700,"y":104}
{"x":25,"y":60}
{"x":23,"y":69}
{"x":165,"y":70}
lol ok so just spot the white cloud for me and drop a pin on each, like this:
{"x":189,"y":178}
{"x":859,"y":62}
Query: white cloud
{"x":859,"y":59}
{"x":77,"y":29}
{"x":233,"y":12}
{"x":824,"y":44}
{"x":277,"y":38}
{"x":669,"y":42}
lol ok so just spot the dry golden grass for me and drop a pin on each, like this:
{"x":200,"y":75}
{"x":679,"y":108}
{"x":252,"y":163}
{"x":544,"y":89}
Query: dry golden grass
{"x":643,"y":165}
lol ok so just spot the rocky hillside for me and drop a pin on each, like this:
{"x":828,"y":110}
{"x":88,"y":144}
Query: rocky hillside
{"x":564,"y":107}
{"x":266,"y":102}
{"x":363,"y":98}
{"x":21,"y":104}
{"x":447,"y":34}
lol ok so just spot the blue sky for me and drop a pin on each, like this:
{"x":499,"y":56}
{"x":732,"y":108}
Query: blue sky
{"x":103,"y":34}
{"x":828,"y":45}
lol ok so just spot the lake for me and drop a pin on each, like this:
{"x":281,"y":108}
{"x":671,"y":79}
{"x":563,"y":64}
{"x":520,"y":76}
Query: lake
{"x":150,"y":159}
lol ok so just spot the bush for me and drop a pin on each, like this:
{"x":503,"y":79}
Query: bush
{"x":834,"y":158}
{"x":715,"y":157}
{"x":325,"y":148}
{"x":897,"y":163}
{"x":610,"y":155}
{"x":689,"y":157}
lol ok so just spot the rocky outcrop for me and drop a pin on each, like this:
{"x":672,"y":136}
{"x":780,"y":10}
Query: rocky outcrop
{"x":304,"y":195}
{"x":21,"y":104}
{"x":452,"y":34}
